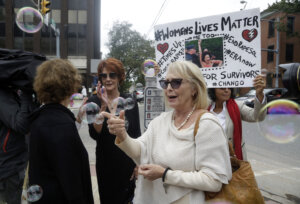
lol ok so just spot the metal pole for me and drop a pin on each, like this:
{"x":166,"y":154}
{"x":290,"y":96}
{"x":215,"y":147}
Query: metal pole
{"x":277,"y":54}
{"x":57,"y":43}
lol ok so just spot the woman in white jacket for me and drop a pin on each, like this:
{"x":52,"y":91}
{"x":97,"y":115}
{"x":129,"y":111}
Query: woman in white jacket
{"x":174,"y":165}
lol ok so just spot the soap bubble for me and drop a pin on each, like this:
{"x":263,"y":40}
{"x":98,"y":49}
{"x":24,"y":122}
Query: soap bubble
{"x":90,"y":113}
{"x":126,"y":124}
{"x":281,"y":124}
{"x":34,"y":193}
{"x":148,"y":68}
{"x":29,"y":20}
{"x":76,"y":100}
{"x":119,"y":104}
{"x":129,"y":103}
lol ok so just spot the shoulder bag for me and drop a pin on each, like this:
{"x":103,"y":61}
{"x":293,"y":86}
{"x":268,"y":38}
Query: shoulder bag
{"x":242,"y":188}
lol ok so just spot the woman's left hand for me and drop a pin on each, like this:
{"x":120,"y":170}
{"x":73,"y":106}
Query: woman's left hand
{"x":259,"y":85}
{"x":151,"y":171}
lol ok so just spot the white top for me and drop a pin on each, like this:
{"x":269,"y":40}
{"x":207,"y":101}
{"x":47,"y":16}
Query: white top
{"x":222,"y":115}
{"x":199,"y":163}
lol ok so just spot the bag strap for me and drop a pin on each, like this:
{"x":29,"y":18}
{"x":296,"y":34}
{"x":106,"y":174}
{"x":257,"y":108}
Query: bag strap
{"x":25,"y":184}
{"x":197,"y":122}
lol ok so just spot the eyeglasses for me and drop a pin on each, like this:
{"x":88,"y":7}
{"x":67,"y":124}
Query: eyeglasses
{"x":111,"y":75}
{"x":175,"y":83}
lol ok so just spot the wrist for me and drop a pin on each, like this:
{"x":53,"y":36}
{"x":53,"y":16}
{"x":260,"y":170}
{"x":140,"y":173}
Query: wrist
{"x":165,"y":174}
{"x":121,"y":138}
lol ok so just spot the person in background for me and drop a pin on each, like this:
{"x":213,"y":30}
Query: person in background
{"x":83,"y":91}
{"x":15,"y":107}
{"x":231,"y":113}
{"x":191,"y":55}
{"x":58,"y":160}
{"x":206,"y":58}
{"x":176,"y":166}
{"x":114,"y":168}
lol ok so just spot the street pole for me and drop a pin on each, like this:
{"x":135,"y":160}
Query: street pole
{"x":277,"y":54}
{"x":276,"y":51}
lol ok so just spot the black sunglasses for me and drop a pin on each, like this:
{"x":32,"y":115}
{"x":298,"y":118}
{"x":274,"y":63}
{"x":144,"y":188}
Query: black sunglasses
{"x":111,"y":75}
{"x":175,"y":83}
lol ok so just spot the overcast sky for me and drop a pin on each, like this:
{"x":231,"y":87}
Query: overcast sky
{"x":142,"y":14}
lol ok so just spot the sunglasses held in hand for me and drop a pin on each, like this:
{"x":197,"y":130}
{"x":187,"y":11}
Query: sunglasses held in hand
{"x":175,"y":83}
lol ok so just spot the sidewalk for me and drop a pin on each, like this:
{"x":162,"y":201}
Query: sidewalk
{"x":90,"y":146}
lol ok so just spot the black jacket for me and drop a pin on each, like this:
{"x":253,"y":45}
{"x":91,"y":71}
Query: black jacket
{"x":14,"y":125}
{"x":114,"y":168}
{"x":58,"y":160}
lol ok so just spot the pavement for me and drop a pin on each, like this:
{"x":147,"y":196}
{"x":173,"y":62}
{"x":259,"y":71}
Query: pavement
{"x":90,"y":146}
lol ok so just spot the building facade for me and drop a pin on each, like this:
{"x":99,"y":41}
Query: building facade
{"x":289,"y":43}
{"x":78,"y":39}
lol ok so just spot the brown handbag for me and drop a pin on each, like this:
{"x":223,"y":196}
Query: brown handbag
{"x":242,"y":188}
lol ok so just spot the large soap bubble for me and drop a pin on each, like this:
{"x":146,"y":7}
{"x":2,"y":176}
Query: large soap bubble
{"x":29,"y":20}
{"x":119,"y":104}
{"x":281,"y":124}
{"x":90,"y":113}
{"x":150,"y":68}
{"x":76,"y":100}
{"x":34,"y":193}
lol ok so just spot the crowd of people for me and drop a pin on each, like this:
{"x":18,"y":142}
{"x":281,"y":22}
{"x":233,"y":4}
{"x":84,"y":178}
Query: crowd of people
{"x":171,"y":162}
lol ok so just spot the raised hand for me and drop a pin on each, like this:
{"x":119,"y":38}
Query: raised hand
{"x":259,"y":85}
{"x":116,"y":125}
{"x":102,"y":94}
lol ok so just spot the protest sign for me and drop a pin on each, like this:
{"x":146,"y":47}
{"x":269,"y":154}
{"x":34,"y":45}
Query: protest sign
{"x":227,"y":48}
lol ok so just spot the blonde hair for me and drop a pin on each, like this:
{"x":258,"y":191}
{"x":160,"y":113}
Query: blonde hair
{"x":56,"y":80}
{"x":191,"y":72}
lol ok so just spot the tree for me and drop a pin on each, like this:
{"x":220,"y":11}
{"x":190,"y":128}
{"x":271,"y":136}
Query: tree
{"x":132,"y":49}
{"x":287,"y":7}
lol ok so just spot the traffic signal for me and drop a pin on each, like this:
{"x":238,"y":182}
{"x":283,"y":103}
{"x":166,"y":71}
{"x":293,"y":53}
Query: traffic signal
{"x":44,"y":7}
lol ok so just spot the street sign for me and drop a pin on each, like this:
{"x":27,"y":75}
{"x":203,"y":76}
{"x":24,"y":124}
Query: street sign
{"x":154,"y":103}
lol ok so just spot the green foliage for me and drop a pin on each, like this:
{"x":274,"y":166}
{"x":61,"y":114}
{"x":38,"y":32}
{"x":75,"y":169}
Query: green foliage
{"x":132,"y":49}
{"x":286,"y":6}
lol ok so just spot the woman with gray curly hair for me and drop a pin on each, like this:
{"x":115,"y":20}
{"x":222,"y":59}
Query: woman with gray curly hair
{"x":58,"y":160}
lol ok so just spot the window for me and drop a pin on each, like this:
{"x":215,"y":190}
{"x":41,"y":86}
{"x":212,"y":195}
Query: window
{"x":2,"y":29}
{"x":290,"y":24}
{"x":2,"y":2}
{"x":18,"y":43}
{"x":28,"y":44}
{"x":2,"y":13}
{"x":270,"y":54}
{"x":289,"y":52}
{"x":271,"y":28}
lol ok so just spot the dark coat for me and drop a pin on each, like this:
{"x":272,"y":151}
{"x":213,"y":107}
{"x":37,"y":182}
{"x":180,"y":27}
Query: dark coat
{"x":58,"y":160}
{"x":14,"y":125}
{"x":114,"y":167}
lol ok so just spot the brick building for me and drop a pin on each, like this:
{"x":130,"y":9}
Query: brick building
{"x":289,"y":45}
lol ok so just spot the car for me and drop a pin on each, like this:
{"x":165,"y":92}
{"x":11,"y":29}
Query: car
{"x":139,"y":95}
{"x":271,"y":94}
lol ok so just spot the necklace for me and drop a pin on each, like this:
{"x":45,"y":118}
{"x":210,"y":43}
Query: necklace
{"x":186,"y":119}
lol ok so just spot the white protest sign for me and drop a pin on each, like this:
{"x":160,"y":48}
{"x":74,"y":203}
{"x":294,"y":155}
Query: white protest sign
{"x":227,"y":48}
